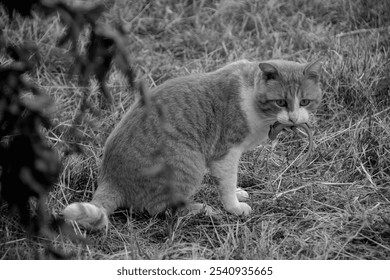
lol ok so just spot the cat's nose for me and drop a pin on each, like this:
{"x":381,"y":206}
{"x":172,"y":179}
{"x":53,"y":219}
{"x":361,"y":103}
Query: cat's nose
{"x":293,"y":118}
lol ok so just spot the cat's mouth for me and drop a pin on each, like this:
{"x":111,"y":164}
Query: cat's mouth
{"x":302,"y":129}
{"x":278,"y":127}
{"x":275,"y":129}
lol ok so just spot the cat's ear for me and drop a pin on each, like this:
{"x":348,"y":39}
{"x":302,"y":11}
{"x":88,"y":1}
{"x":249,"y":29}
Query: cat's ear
{"x":270,"y":72}
{"x":313,"y":70}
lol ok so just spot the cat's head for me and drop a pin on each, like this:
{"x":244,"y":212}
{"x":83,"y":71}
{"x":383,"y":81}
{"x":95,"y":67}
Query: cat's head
{"x":287,"y":91}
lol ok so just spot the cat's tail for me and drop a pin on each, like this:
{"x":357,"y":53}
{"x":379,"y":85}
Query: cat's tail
{"x":87,"y":215}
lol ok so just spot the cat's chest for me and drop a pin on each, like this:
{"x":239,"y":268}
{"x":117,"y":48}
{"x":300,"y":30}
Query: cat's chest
{"x":258,"y":127}
{"x":257,"y":136}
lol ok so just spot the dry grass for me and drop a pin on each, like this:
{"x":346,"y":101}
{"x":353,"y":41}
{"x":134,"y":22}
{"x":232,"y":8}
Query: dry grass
{"x":336,"y":208}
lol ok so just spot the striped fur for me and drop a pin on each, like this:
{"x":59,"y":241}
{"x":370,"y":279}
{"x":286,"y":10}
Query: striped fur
{"x":210,"y":120}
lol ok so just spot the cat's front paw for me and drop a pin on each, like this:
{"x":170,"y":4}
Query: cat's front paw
{"x":241,"y":209}
{"x":241,"y":194}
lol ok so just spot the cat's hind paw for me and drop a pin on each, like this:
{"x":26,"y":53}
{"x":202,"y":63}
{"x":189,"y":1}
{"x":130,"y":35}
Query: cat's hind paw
{"x":241,"y":194}
{"x":242,"y":209}
{"x":199,"y":208}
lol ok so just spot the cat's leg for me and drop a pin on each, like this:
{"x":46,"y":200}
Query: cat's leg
{"x":93,"y":215}
{"x":187,"y":169}
{"x":225,"y":171}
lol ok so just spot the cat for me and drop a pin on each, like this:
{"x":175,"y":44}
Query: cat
{"x":210,"y":120}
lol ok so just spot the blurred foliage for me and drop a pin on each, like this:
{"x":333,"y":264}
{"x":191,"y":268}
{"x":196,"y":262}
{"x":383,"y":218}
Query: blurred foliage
{"x":22,"y":7}
{"x":29,"y":166}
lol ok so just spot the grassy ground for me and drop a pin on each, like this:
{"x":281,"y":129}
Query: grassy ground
{"x":335,"y":208}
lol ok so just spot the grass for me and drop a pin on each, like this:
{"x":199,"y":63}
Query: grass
{"x":335,"y":208}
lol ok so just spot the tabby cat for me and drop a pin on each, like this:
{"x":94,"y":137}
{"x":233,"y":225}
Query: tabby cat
{"x":213,"y":118}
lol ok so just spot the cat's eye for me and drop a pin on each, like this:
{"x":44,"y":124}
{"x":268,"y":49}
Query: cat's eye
{"x":304,"y":102}
{"x":281,"y":102}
